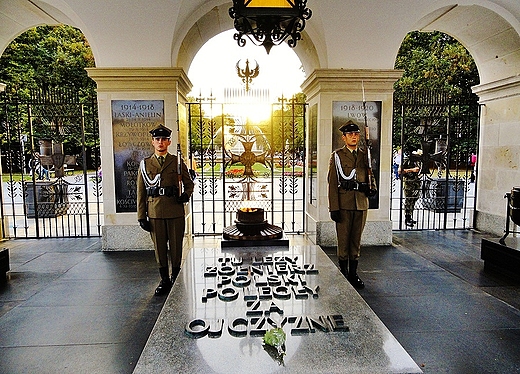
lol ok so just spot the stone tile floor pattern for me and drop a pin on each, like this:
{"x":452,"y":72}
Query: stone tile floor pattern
{"x":67,"y":307}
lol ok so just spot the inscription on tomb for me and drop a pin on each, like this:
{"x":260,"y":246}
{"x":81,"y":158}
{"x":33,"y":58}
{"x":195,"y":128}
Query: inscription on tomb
{"x":265,"y":292}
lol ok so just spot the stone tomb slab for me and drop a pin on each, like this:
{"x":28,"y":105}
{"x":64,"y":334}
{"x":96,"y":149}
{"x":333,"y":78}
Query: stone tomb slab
{"x":223,"y":300}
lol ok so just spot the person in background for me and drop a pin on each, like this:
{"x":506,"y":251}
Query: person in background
{"x":348,"y":191}
{"x":38,"y":169}
{"x":161,"y":195}
{"x":411,"y":185}
{"x":397,"y":163}
{"x":473,"y":165}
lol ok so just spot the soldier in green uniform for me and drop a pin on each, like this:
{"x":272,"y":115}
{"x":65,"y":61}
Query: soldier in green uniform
{"x":164,"y":185}
{"x":409,"y":173}
{"x":349,"y":188}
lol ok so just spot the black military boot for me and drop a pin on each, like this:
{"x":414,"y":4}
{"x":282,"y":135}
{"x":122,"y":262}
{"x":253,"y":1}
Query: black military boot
{"x":175,"y":273}
{"x":353,"y":277}
{"x":165,"y":284}
{"x":343,"y":267}
{"x":408,"y":220}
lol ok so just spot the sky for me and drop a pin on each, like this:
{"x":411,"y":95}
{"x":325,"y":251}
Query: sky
{"x":214,"y":67}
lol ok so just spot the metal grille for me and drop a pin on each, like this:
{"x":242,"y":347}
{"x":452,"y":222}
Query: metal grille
{"x":242,"y":163}
{"x":51,"y":181}
{"x":439,"y":136}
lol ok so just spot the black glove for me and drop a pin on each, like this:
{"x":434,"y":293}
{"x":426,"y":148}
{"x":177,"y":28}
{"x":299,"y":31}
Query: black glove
{"x":145,"y":224}
{"x":371,"y":193}
{"x":184,"y":198}
{"x":335,"y":215}
{"x":363,"y":187}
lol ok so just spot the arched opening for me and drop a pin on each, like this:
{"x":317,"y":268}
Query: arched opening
{"x":435,"y":134}
{"x":216,"y":21}
{"x":214,"y":68}
{"x":247,"y":119}
{"x":50,"y":152}
{"x":491,"y":35}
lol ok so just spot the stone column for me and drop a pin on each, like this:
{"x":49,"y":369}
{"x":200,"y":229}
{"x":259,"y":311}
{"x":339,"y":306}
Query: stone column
{"x":498,"y":163}
{"x":4,"y":222}
{"x":323,"y":87}
{"x":170,"y":85}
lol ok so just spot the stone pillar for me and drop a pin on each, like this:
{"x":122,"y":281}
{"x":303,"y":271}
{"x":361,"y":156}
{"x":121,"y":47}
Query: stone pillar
{"x":170,"y":85}
{"x":3,"y":222}
{"x":323,"y":87}
{"x":498,"y":163}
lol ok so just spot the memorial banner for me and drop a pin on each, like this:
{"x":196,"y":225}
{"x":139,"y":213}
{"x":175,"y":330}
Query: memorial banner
{"x":131,"y":122}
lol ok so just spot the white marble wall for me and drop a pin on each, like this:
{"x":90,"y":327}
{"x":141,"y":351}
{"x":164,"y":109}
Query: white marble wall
{"x":498,"y":164}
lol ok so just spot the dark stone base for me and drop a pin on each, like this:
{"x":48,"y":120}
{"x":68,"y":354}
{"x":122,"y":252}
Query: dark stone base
{"x":4,"y":264}
{"x":228,"y":243}
{"x":502,"y":258}
{"x":255,"y":232}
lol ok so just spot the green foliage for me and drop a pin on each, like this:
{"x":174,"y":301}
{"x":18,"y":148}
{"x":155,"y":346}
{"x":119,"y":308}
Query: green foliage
{"x":275,"y":337}
{"x":434,"y":61}
{"x":51,"y":59}
{"x":47,"y":56}
{"x":286,"y":125}
{"x":436,"y":67}
{"x":202,"y":128}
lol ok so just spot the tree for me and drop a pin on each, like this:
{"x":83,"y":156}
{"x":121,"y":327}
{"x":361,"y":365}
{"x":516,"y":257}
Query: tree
{"x":44,"y":59}
{"x":47,"y":56}
{"x":437,"y":68}
{"x":434,"y":61}
{"x":286,"y":125}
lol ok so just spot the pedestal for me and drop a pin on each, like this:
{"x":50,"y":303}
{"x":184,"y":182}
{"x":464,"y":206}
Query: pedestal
{"x":52,"y":199}
{"x":230,"y":243}
{"x":4,"y":264}
{"x":502,"y":258}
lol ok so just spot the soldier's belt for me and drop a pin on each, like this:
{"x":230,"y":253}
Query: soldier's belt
{"x":162,"y":191}
{"x":354,"y":186}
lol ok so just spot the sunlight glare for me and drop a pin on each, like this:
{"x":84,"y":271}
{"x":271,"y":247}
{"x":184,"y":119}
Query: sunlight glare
{"x":214,"y":69}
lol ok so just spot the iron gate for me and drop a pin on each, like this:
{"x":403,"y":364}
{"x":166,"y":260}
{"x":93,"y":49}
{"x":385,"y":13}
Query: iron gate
{"x":241,"y":163}
{"x":51,"y":180}
{"x":438,"y":137}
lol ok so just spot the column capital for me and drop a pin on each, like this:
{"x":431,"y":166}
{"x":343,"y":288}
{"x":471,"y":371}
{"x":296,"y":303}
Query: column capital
{"x":345,"y":80}
{"x":142,"y":79}
{"x":497,"y":90}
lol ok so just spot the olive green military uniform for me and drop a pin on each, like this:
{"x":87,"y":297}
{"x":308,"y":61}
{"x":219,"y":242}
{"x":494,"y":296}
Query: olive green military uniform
{"x":411,"y":188}
{"x":166,"y":215}
{"x":352,"y":204}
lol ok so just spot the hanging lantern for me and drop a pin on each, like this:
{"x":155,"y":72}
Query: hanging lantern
{"x":269,"y":22}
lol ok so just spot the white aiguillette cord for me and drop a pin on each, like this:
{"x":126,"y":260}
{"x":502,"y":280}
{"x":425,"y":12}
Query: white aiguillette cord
{"x":147,"y":181}
{"x":339,"y":170}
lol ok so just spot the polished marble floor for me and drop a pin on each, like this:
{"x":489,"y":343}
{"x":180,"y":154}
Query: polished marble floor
{"x":67,"y":307}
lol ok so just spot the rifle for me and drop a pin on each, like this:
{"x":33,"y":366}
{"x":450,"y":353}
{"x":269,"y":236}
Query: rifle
{"x":367,"y":139}
{"x":179,"y":168}
{"x":179,"y":153}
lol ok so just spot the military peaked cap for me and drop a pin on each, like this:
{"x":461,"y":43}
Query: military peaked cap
{"x":161,"y":131}
{"x":349,"y":127}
